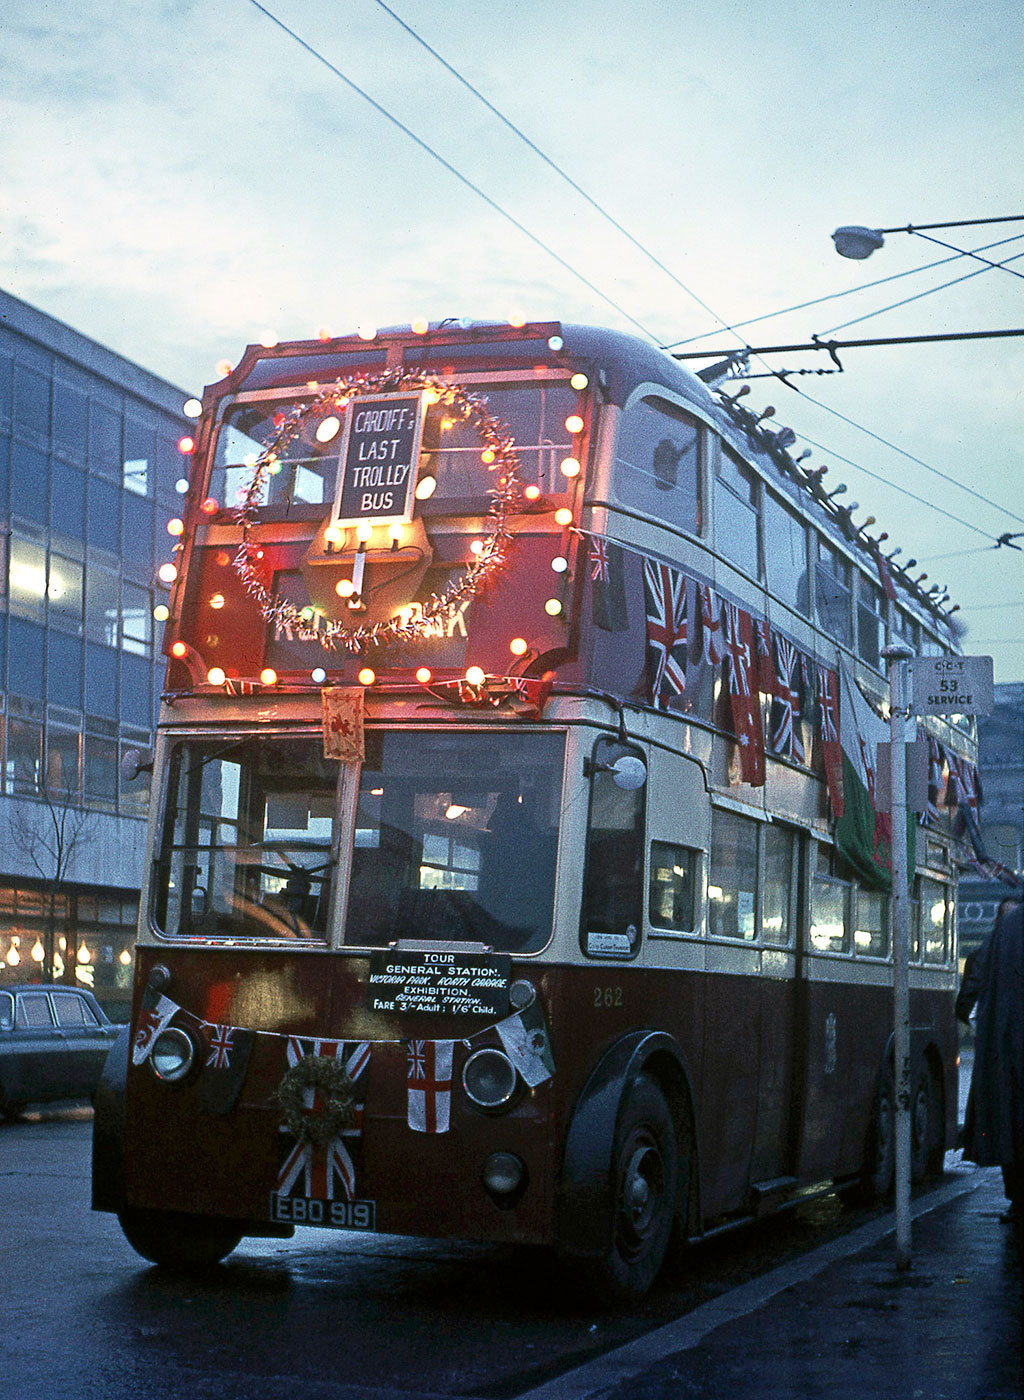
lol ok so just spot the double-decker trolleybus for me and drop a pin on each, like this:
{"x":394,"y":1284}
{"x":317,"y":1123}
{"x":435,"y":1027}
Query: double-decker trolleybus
{"x":514,"y":868}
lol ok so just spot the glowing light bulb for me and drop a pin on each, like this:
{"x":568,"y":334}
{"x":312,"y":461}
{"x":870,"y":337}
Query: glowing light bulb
{"x":563,"y":516}
{"x":364,"y":532}
{"x":318,"y":675}
{"x":175,"y":526}
{"x":323,"y":333}
{"x":517,"y":319}
{"x":334,"y":534}
{"x":366,"y":332}
{"x":167,"y":573}
{"x":328,"y":429}
{"x":555,"y":342}
{"x":423,"y":675}
{"x":367,"y":676}
{"x":268,"y":340}
{"x":38,"y":953}
{"x":186,"y":445}
{"x":475,"y":675}
{"x":579,"y":381}
{"x":125,"y":958}
{"x":216,"y":676}
{"x":268,"y":676}
{"x":552,"y":607}
{"x":396,"y":532}
{"x":569,"y":466}
{"x":519,"y":646}
{"x":224,"y":368}
{"x":181,"y":485}
{"x":532,"y":492}
{"x":425,"y":487}
{"x":431,"y":396}
{"x":344,"y":588}
{"x":487,"y":456}
{"x":179,"y":650}
{"x":217,"y":600}
{"x":420,"y":326}
{"x":559,"y":564}
{"x":192,"y":408}
{"x":13,"y":957}
{"x":574,"y":423}
{"x":210,"y":506}
{"x":161,"y":612}
{"x":84,"y":954}
{"x":477,"y":547}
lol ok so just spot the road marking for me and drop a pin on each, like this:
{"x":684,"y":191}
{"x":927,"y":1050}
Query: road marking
{"x":622,"y":1363}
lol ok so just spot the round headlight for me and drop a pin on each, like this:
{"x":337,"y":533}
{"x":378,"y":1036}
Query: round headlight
{"x":489,"y":1078}
{"x":172,"y":1055}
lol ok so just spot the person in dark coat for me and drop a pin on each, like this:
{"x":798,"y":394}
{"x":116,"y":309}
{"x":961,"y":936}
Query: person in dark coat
{"x":994,"y":1131}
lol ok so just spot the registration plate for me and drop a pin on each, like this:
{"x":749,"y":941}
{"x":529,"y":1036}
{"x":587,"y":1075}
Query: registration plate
{"x":329,"y":1215}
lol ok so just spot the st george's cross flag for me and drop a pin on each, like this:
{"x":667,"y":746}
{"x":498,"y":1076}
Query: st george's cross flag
{"x":665,"y":607}
{"x":326,"y":1172}
{"x":430,"y":1085}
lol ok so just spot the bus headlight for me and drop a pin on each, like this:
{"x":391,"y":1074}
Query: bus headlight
{"x":489,"y":1078}
{"x":172,"y":1055}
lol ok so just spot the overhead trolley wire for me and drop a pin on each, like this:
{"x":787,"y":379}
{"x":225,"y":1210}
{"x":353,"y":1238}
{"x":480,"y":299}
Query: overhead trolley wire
{"x":452,"y":170}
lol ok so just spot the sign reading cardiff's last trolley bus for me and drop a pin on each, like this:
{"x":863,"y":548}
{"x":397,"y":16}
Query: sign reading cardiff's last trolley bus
{"x":516,"y":871}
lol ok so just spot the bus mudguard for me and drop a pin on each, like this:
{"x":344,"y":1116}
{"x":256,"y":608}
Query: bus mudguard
{"x":585,"y":1205}
{"x":108,"y":1128}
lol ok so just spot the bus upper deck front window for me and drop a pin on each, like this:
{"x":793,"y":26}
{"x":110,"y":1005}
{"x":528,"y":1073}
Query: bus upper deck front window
{"x":304,"y":474}
{"x":535,"y":414}
{"x":456,"y":837}
{"x":248,"y":839}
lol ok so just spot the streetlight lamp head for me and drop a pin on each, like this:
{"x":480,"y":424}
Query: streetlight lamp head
{"x":853,"y":241}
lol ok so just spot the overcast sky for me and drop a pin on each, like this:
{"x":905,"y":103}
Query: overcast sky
{"x":177,"y":178}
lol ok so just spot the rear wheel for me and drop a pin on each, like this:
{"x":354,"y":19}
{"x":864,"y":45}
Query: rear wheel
{"x":926,"y":1135}
{"x":880,"y":1160}
{"x":644,"y":1181}
{"x":179,"y":1241}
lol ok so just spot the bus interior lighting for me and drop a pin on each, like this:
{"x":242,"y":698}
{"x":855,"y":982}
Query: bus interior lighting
{"x":175,"y":526}
{"x":328,"y":429}
{"x":210,"y":506}
{"x":167,"y":573}
{"x":181,"y":485}
{"x":532,"y":492}
{"x":519,"y":646}
{"x":559,"y":564}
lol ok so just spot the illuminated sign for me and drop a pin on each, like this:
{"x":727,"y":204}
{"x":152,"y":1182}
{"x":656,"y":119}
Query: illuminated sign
{"x":377,"y":468}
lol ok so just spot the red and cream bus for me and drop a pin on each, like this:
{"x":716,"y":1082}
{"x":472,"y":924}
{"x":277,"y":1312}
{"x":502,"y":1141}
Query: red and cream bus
{"x":514,"y":872}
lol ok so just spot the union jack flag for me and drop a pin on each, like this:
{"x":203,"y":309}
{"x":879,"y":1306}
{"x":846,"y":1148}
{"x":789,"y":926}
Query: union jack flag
{"x":744,"y":698}
{"x":599,"y":567}
{"x":786,"y":738}
{"x":737,"y":649}
{"x":710,"y":624}
{"x":221,"y":1046}
{"x":665,"y":601}
{"x":828,"y":727}
{"x":324,"y":1173}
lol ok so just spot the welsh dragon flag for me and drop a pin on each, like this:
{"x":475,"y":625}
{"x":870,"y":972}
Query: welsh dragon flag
{"x":863,"y":834}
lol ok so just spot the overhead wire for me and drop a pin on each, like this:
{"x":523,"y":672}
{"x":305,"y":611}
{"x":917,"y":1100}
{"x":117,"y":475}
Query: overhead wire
{"x":452,"y":170}
{"x":562,"y":262}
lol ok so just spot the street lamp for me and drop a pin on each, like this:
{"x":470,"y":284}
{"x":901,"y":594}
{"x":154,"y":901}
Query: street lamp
{"x":857,"y":242}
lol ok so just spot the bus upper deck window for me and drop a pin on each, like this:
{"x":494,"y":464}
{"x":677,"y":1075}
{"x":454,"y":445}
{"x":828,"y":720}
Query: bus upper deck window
{"x":657,"y":463}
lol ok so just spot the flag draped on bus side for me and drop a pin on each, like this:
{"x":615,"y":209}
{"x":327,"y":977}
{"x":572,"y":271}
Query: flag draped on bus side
{"x":863,"y":834}
{"x":665,"y":607}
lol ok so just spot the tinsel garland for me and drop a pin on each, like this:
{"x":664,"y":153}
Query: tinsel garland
{"x":499,"y":454}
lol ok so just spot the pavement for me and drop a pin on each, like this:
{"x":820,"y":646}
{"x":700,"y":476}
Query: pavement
{"x":841,"y":1323}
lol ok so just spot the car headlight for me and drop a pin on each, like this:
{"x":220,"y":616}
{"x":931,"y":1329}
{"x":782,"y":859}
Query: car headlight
{"x":172,"y":1055}
{"x":489,"y":1078}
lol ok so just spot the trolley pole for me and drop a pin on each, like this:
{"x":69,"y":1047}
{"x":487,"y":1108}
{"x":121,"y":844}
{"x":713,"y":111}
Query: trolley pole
{"x":899,"y":710}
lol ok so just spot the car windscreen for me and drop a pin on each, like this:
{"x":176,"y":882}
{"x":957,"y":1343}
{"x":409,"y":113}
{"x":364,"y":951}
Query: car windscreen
{"x":456,"y":837}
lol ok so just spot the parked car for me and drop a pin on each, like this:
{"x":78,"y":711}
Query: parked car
{"x":53,"y":1042}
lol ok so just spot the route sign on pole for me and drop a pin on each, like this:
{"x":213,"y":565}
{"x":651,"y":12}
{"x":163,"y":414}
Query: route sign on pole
{"x":951,"y":685}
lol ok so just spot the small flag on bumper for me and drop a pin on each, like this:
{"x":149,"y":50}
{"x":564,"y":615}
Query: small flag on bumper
{"x":227,"y":1061}
{"x":430,"y":1085}
{"x":525,"y":1038}
{"x":157,"y":1012}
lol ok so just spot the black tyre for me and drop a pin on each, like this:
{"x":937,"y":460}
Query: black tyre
{"x":926,"y":1129}
{"x":880,"y":1156}
{"x":179,"y":1241}
{"x":644,"y":1182}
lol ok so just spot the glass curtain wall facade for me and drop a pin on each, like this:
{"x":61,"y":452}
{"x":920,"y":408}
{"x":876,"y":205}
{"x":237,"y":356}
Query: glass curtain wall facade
{"x":89,"y":464}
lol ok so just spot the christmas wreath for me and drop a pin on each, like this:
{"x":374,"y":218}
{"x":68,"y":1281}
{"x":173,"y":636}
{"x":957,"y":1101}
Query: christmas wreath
{"x":499,"y":455}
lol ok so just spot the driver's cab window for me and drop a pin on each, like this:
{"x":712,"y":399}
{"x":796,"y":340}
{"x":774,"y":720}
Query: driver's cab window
{"x":613,"y":882}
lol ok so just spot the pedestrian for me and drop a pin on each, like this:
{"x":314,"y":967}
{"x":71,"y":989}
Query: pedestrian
{"x":994,"y":1128}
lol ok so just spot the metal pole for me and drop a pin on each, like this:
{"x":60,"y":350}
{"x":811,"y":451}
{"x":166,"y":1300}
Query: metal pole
{"x":899,"y":709}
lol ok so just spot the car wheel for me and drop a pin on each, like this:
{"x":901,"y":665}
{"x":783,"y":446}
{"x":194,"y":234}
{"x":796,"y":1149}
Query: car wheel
{"x":179,"y":1241}
{"x":926,"y":1136}
{"x":879,"y":1168}
{"x":644,"y":1181}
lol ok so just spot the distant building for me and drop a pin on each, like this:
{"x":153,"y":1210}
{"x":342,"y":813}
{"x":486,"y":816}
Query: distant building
{"x":1001,"y":764}
{"x":88,"y":469}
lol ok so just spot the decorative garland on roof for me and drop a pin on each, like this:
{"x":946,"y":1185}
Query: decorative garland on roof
{"x":498,"y":454}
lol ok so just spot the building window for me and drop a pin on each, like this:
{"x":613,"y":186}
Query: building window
{"x":25,"y":658}
{"x":30,"y":484}
{"x":24,"y":757}
{"x":67,"y":502}
{"x":31,"y":401}
{"x":27,"y":580}
{"x":104,"y":516}
{"x":101,"y":613}
{"x":64,"y":591}
{"x":70,"y":420}
{"x":64,"y":671}
{"x":105,"y":441}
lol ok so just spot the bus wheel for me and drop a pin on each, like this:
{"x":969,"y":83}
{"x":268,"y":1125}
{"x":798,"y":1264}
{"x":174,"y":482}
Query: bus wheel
{"x":880,"y":1164}
{"x":925,"y":1129}
{"x":645,"y":1183}
{"x":179,"y":1241}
